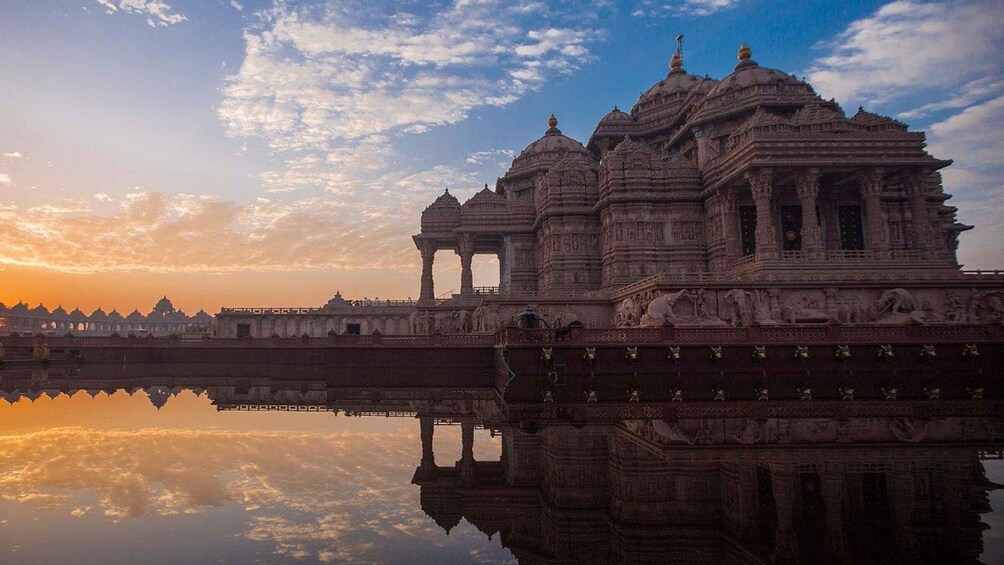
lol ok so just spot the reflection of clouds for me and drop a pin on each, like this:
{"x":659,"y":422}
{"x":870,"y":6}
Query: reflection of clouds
{"x":318,"y":496}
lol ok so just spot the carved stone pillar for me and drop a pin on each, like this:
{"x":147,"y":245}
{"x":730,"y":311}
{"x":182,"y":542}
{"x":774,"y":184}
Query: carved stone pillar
{"x":782,"y":479}
{"x":428,"y":457}
{"x":467,"y":456}
{"x":832,"y":488}
{"x":812,"y":235}
{"x":901,"y":500}
{"x":428,"y":292}
{"x":876,"y":224}
{"x":465,"y":248}
{"x":917,"y":190}
{"x":766,"y":236}
{"x":730,"y":224}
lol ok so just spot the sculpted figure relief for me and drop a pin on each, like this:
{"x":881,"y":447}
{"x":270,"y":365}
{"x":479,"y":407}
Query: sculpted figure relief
{"x":987,"y":306}
{"x":800,"y":308}
{"x":680,"y":307}
{"x":744,"y":308}
{"x":895,"y":306}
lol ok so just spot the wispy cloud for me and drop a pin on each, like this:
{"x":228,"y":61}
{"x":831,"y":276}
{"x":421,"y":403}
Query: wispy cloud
{"x":658,"y":8}
{"x":942,"y":60}
{"x":909,"y":45}
{"x":157,"y":12}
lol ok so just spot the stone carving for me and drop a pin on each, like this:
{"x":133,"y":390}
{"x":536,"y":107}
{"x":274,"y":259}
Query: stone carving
{"x":800,"y":308}
{"x":895,"y":306}
{"x":986,"y":306}
{"x":678,"y":308}
{"x":744,"y":308}
{"x":627,"y":314}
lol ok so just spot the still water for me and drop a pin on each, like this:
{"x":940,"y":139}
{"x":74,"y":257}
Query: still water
{"x":105,"y":476}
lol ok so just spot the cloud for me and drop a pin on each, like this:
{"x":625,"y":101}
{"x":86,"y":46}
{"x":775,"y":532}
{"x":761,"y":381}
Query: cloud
{"x":307,"y":495}
{"x":158,"y":12}
{"x":320,"y":79}
{"x":12,"y":155}
{"x":940,"y":60}
{"x":658,"y":8}
{"x":973,"y":138}
{"x":909,"y":45}
{"x":5,"y":178}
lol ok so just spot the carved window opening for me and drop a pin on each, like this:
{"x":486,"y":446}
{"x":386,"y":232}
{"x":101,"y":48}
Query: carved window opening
{"x":353,"y":329}
{"x":243,"y":330}
{"x":791,"y":227}
{"x":851,"y":232}
{"x":747,"y":229}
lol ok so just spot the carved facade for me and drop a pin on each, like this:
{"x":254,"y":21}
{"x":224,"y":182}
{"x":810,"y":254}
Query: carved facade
{"x":825,"y":217}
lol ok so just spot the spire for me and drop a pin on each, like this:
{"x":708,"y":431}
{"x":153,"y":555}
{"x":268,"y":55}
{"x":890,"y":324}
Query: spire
{"x":744,"y":52}
{"x":744,"y":55}
{"x":676,"y":63}
{"x":552,"y":122}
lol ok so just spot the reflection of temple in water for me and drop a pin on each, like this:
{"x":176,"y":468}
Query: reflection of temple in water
{"x":877,"y":482}
{"x":639,"y":492}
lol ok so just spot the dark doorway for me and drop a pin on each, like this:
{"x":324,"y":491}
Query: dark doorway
{"x":353,"y":329}
{"x":243,"y":330}
{"x":747,"y":229}
{"x":850,"y":228}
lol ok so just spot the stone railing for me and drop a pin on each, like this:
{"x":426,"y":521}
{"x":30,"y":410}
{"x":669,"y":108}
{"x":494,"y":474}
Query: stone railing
{"x":319,"y":310}
{"x":786,"y":335}
{"x":375,"y":340}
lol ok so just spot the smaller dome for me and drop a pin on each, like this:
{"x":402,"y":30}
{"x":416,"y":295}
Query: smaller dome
{"x":552,"y":142}
{"x":616,"y":116}
{"x":163,"y":306}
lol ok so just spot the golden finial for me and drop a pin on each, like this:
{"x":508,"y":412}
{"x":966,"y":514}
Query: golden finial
{"x":676,"y":62}
{"x":552,"y":121}
{"x":745,"y":52}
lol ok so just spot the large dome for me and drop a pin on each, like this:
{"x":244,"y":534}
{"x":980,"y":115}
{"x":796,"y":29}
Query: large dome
{"x":667,"y":96}
{"x":751,"y":85}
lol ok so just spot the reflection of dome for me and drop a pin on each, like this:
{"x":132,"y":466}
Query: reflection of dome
{"x":158,"y":396}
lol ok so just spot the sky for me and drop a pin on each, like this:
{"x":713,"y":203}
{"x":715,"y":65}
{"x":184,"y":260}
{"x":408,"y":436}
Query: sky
{"x":271,"y":152}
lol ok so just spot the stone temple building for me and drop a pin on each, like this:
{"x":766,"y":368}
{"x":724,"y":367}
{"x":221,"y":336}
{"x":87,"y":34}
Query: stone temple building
{"x":745,"y":200}
{"x":162,"y":320}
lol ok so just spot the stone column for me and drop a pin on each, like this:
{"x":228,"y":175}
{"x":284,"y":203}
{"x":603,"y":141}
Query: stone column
{"x":766,"y":236}
{"x":465,"y":248}
{"x":730,"y":225}
{"x":782,"y":480}
{"x":876,"y":224}
{"x":467,"y":456}
{"x":917,"y":190}
{"x":901,"y":495}
{"x":812,"y":235}
{"x":428,"y":292}
{"x":832,"y":488}
{"x":428,"y":457}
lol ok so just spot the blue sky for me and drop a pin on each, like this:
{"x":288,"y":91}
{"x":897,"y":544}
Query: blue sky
{"x":169,"y":146}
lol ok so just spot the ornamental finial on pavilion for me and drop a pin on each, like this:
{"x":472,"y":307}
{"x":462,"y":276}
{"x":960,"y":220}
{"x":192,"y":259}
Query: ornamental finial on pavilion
{"x":552,"y":121}
{"x":745,"y":52}
{"x":676,"y":62}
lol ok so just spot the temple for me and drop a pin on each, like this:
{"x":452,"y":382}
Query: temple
{"x":746,"y":201}
{"x":740,"y":201}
